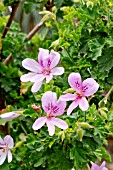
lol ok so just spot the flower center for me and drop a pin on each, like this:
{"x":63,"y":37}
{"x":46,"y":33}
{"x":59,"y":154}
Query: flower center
{"x":46,"y":72}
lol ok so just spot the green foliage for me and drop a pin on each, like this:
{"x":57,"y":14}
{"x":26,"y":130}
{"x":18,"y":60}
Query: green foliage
{"x":81,"y":31}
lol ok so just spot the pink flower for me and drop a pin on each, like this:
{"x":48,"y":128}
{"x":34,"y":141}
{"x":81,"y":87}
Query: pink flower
{"x":86,"y":88}
{"x":6,"y":144}
{"x":44,"y":68}
{"x":10,"y":115}
{"x":52,"y":107}
{"x":96,"y":167}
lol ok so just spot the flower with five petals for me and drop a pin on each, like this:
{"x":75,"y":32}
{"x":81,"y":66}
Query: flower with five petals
{"x":52,"y":107}
{"x":6,"y":144}
{"x":83,"y":89}
{"x":44,"y":68}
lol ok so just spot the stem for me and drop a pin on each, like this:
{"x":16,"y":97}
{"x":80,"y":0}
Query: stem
{"x":29,"y":36}
{"x":34,"y":30}
{"x":14,"y":9}
{"x":23,"y":128}
{"x":85,"y":116}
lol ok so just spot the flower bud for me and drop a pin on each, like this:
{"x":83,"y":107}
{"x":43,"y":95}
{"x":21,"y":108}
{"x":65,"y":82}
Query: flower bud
{"x":37,"y":109}
{"x":80,"y":134}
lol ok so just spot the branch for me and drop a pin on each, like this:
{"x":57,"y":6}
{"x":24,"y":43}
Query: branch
{"x":8,"y":59}
{"x":29,"y":36}
{"x":34,"y":30}
{"x":14,"y":9}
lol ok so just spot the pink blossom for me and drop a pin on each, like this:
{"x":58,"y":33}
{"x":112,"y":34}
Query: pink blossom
{"x":83,"y":89}
{"x":10,"y":115}
{"x":52,"y":107}
{"x":44,"y":68}
{"x":6,"y":144}
{"x":96,"y":167}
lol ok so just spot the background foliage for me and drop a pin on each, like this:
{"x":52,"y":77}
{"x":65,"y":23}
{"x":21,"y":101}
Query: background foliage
{"x":81,"y":31}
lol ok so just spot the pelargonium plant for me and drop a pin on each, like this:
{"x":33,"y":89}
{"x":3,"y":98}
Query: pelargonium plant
{"x":6,"y":145}
{"x":44,"y":68}
{"x":53,"y":108}
{"x":83,"y":89}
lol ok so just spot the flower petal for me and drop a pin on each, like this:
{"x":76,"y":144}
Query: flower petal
{"x":37,"y":78}
{"x":103,"y":165}
{"x":83,"y":104}
{"x":42,"y":54}
{"x":51,"y":127}
{"x":75,"y":81}
{"x":48,"y":100}
{"x":104,"y":168}
{"x":36,"y":86}
{"x":59,"y":108}
{"x":95,"y":167}
{"x":9,"y":115}
{"x":27,"y":77}
{"x":89,"y":87}
{"x":1,"y":142}
{"x":72,"y":106}
{"x":9,"y":141}
{"x":54,"y":58}
{"x":2,"y":156}
{"x":59,"y":123}
{"x":9,"y":156}
{"x":39,"y":123}
{"x":31,"y":65}
{"x":57,"y":71}
{"x":68,"y":97}
{"x":48,"y":78}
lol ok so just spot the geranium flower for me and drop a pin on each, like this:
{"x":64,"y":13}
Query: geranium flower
{"x":52,"y":107}
{"x":96,"y":167}
{"x":44,"y":68}
{"x":83,"y":89}
{"x":6,"y":144}
{"x":10,"y":115}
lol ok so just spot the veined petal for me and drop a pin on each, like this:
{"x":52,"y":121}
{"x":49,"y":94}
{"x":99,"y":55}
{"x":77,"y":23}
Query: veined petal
{"x":54,"y":58}
{"x":48,"y":78}
{"x":95,"y":167}
{"x":42,"y":54}
{"x":9,"y":156}
{"x":48,"y":100}
{"x":83,"y":104}
{"x":2,"y":156}
{"x":72,"y":106}
{"x":51,"y":127}
{"x":39,"y":123}
{"x":59,"y":123}
{"x":89,"y":87}
{"x":37,"y":78}
{"x":68,"y":97}
{"x":27,"y":77}
{"x":59,"y":108}
{"x":9,"y":115}
{"x":75,"y":81}
{"x":31,"y":65}
{"x":36,"y":86}
{"x":57,"y":71}
{"x":9,"y":141}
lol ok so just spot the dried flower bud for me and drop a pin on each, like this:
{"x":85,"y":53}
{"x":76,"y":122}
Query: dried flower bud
{"x":37,"y":109}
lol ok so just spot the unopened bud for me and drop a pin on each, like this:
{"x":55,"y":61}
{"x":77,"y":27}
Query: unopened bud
{"x":70,"y":90}
{"x":80,"y":134}
{"x":85,"y":125}
{"x":37,"y":109}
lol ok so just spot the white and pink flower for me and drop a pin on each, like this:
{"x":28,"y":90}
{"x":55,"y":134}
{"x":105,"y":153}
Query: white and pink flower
{"x":6,"y":144}
{"x":52,"y":107}
{"x":83,"y":89}
{"x":96,"y":167}
{"x":44,"y":68}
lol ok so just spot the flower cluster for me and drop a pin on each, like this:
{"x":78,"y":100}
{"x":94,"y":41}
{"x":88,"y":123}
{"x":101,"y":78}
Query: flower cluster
{"x":46,"y":68}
